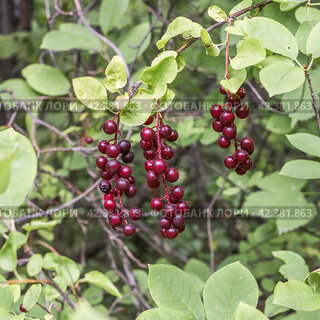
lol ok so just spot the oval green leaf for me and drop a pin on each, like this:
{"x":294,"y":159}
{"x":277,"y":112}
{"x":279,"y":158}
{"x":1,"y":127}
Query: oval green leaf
{"x":301,"y":169}
{"x":32,"y":296}
{"x":306,"y":142}
{"x":313,"y":43}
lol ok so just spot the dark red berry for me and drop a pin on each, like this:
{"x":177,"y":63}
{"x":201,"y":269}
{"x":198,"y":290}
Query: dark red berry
{"x":229,"y":131}
{"x":113,"y":166}
{"x":215,"y":111}
{"x":173,"y":199}
{"x":226,"y":118}
{"x":242,"y":112}
{"x":113,"y":150}
{"x":251,"y":150}
{"x":177,"y":192}
{"x":152,"y":176}
{"x":240,"y":171}
{"x":128,"y":158}
{"x":182,"y":207}
{"x":167,"y":152}
{"x":230,"y":162}
{"x":173,"y":136}
{"x":110,"y":127}
{"x":105,"y":175}
{"x":247,"y":164}
{"x":169,"y":210}
{"x":110,"y":204}
{"x":145,"y":145}
{"x":115,"y":220}
{"x":234,"y":100}
{"x":124,"y":146}
{"x":22,"y":308}
{"x":159,"y":166}
{"x":178,"y":221}
{"x":163,"y":232}
{"x":147,"y":134}
{"x":217,"y":126}
{"x":242,"y":92}
{"x":241,"y":156}
{"x":135,"y":213}
{"x":149,"y":121}
{"x":105,"y":186}
{"x":129,"y":230}
{"x":122,"y":184}
{"x":172,"y":174}
{"x":149,"y":154}
{"x":89,"y":140}
{"x":153,"y":184}
{"x":148,"y":165}
{"x":102,"y":146}
{"x":222,"y":90}
{"x":156,"y":204}
{"x":247,"y":143}
{"x":182,"y":228}
{"x":172,"y":233}
{"x":108,"y":196}
{"x":125,"y":172}
{"x":165,"y":131}
{"x":164,"y":223}
{"x":101,"y":162}
{"x":132,"y":180}
{"x":131,"y":192}
{"x":223,"y":142}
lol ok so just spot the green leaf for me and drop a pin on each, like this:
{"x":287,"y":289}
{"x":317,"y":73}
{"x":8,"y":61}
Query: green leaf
{"x":307,"y":14}
{"x":111,"y":13}
{"x":247,"y":312}
{"x":198,"y":268}
{"x":232,"y":84}
{"x":240,"y":6}
{"x":250,"y":53}
{"x":22,"y":164}
{"x":313,"y":280}
{"x":217,"y":14}
{"x":271,"y":309}
{"x":34,"y":265}
{"x":134,"y":38}
{"x":302,"y":35}
{"x":158,"y":76}
{"x":279,"y":124}
{"x":116,"y":77}
{"x":278,"y":39}
{"x":279,"y":78}
{"x":32,"y":296}
{"x":226,"y":288}
{"x":163,"y":314}
{"x":171,"y":288}
{"x":294,"y":267}
{"x":306,"y":142}
{"x":19,"y":88}
{"x":85,"y":312}
{"x":301,"y":169}
{"x":296,"y":295}
{"x":162,"y":55}
{"x":51,"y":293}
{"x":37,"y":224}
{"x":91,"y":93}
{"x":71,"y":36}
{"x":6,"y":296}
{"x":286,"y":5}
{"x":211,"y":48}
{"x":313,"y":45}
{"x":180,"y":25}
{"x":100,"y":280}
{"x":46,"y":80}
{"x":16,"y":291}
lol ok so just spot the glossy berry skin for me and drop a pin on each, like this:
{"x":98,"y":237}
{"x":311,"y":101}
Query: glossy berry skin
{"x":167,"y":152}
{"x":242,"y":112}
{"x":165,"y":132}
{"x":172,"y":233}
{"x":234,"y":99}
{"x":230,"y":162}
{"x":129,"y":230}
{"x":149,"y":154}
{"x":223,"y":90}
{"x":240,"y":171}
{"x":178,"y":221}
{"x":149,"y":121}
{"x":110,"y":204}
{"x":145,"y":145}
{"x":173,"y":136}
{"x":172,"y":174}
{"x":247,"y":164}
{"x":229,"y":131}
{"x":135,"y":213}
{"x":115,"y":220}
{"x":169,"y":210}
{"x":124,"y":146}
{"x":217,"y":126}
{"x":215,"y":111}
{"x":131,"y":192}
{"x":159,"y":166}
{"x":247,"y":143}
{"x":101,"y":162}
{"x":154,"y":184}
{"x":108,"y":196}
{"x":122,"y":184}
{"x":102,"y":146}
{"x":89,"y":140}
{"x":223,"y":142}
{"x":242,"y":92}
{"x":113,"y":166}
{"x":105,"y":175}
{"x":177,"y":192}
{"x":163,"y":232}
{"x":125,"y":172}
{"x":105,"y":186}
{"x":128,"y":158}
{"x":226,"y":118}
{"x":113,"y":150}
{"x":164,"y":223}
{"x":22,"y":308}
{"x":182,"y":207}
{"x":250,"y":151}
{"x":241,"y":156}
{"x":152,"y":176}
{"x":110,"y":127}
{"x":148,"y":165}
{"x":147,"y":134}
{"x":132,"y":180}
{"x":156,"y":204}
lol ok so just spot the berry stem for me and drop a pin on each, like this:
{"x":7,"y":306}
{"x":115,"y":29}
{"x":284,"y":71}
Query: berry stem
{"x":227,"y":50}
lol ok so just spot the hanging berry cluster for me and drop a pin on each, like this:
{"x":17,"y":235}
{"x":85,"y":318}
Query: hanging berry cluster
{"x":112,"y":172}
{"x":224,"y":122}
{"x":156,"y":152}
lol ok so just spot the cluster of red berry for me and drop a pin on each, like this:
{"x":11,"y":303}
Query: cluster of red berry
{"x":224,"y":122}
{"x":156,"y":152}
{"x":121,"y":175}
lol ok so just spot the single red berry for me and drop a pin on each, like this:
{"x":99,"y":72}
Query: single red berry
{"x":110,"y":204}
{"x":247,"y":143}
{"x":251,"y":150}
{"x":156,"y":204}
{"x":105,"y":175}
{"x":165,"y":132}
{"x":241,"y":156}
{"x":217,"y":126}
{"x":182,"y":207}
{"x":164,"y":223}
{"x":226,"y":118}
{"x":182,"y":228}
{"x":229,"y":131}
{"x":169,"y":210}
{"x":102,"y":146}
{"x":234,"y":100}
{"x":167,"y":152}
{"x":124,"y":146}
{"x":222,"y":90}
{"x":89,"y":140}
{"x":125,"y":172}
{"x":173,"y":136}
{"x":129,"y":230}
{"x":148,"y":165}
{"x":122,"y":184}
{"x":128,"y":158}
{"x":105,"y":186}
{"x":172,"y":174}
{"x":177,"y":192}
{"x":116,"y":192}
{"x":110,"y":127}
{"x":242,"y":111}
{"x":173,"y":199}
{"x":149,"y":121}
{"x":101,"y":162}
{"x":172,"y":233}
{"x":145,"y":145}
{"x":247,"y":164}
{"x":108,"y":196}
{"x":223,"y":142}
{"x":132,"y":180}
{"x":152,"y":176}
{"x":115,"y":220}
{"x":113,"y":150}
{"x":131,"y":192}
{"x":135,"y":213}
{"x":230,"y":162}
{"x":178,"y":221}
{"x":147,"y":134}
{"x":215,"y":111}
{"x":163,"y":232}
{"x":240,"y":171}
{"x":113,"y":166}
{"x":22,"y":308}
{"x":159,"y":166}
{"x":149,"y":154}
{"x":242,"y":92}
